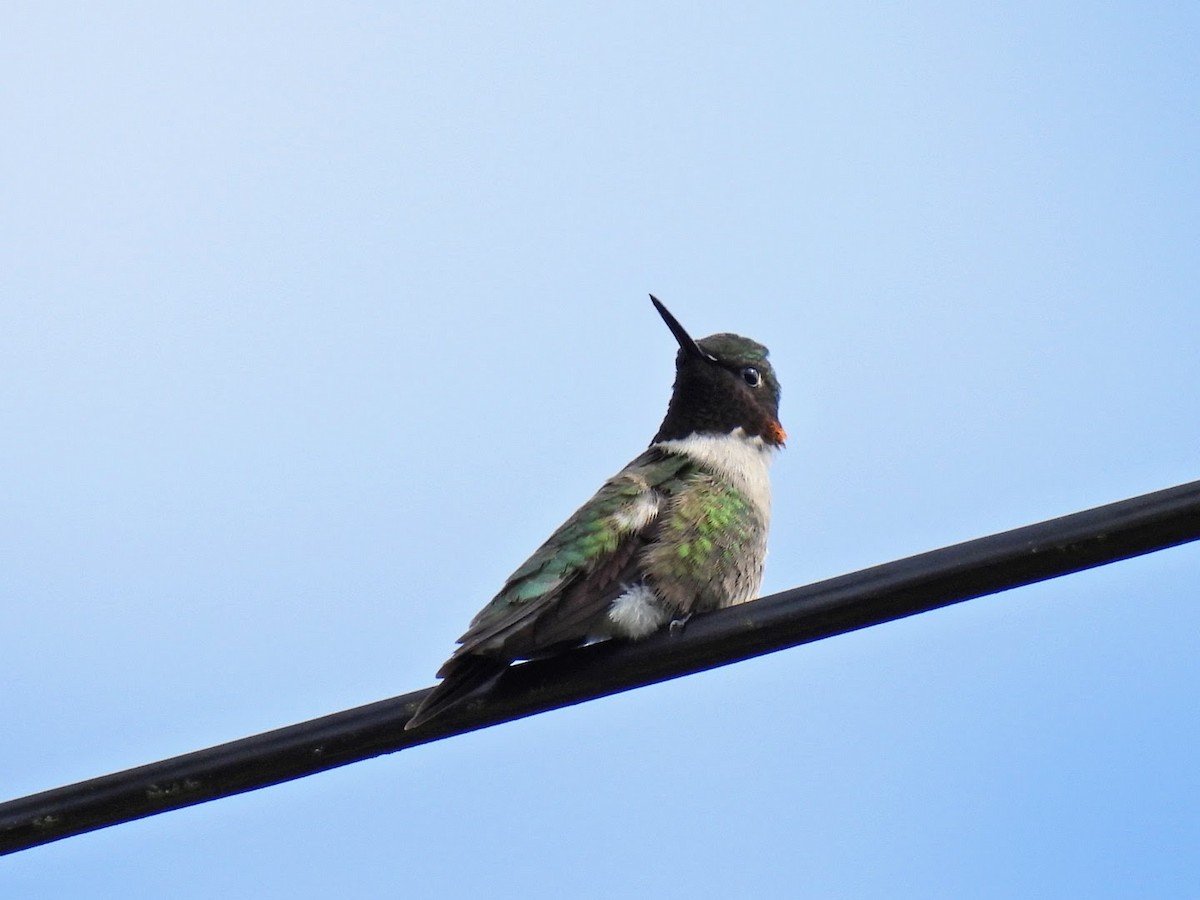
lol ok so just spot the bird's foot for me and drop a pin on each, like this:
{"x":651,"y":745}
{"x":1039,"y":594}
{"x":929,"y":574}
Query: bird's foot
{"x":677,"y":625}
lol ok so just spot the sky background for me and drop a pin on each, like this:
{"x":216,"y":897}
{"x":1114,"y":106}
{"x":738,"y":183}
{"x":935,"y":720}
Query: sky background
{"x":316,"y":319}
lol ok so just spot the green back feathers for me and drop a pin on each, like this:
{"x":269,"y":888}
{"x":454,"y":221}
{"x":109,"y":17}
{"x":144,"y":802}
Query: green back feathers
{"x":590,"y":535}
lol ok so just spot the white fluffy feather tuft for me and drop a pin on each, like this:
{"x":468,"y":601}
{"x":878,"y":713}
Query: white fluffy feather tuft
{"x":638,"y":514}
{"x":637,"y":613}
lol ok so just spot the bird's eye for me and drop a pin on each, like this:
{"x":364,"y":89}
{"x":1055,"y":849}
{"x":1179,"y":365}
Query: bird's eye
{"x":752,"y":376}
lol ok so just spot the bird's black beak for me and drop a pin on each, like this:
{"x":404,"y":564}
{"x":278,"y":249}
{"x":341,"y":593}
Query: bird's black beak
{"x":690,"y":347}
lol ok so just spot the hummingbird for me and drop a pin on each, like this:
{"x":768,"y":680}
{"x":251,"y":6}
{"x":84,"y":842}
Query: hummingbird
{"x":680,"y":530}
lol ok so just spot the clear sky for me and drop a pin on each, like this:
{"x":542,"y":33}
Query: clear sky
{"x":316,"y":318}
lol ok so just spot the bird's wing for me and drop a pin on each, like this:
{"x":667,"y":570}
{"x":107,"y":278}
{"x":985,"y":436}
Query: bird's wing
{"x":559,"y":590}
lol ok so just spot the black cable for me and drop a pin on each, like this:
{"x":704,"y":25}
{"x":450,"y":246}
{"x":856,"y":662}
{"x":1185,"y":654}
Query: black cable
{"x":868,"y":597}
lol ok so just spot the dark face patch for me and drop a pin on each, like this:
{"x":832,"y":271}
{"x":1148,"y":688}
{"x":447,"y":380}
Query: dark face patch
{"x":716,"y":395}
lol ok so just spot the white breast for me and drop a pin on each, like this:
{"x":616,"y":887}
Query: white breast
{"x":744,"y":460}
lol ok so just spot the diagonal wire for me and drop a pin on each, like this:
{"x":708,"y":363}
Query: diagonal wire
{"x":871,"y":596}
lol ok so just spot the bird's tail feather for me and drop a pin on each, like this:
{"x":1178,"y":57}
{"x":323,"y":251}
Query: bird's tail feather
{"x":467,"y":677}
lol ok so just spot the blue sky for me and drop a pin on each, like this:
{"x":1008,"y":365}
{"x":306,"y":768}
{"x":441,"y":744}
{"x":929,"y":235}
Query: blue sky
{"x":317,"y":318}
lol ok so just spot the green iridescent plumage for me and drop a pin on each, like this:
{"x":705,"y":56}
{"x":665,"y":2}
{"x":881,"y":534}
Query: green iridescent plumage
{"x":708,"y":520}
{"x":709,"y":546}
{"x":591,"y":538}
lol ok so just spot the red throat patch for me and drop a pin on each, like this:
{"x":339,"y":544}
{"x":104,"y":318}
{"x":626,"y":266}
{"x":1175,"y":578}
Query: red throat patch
{"x":775,"y":434}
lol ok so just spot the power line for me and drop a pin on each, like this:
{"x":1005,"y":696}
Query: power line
{"x":871,"y":596}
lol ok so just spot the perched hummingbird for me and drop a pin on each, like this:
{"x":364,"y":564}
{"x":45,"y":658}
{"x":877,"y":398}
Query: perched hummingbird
{"x":682,"y":529}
